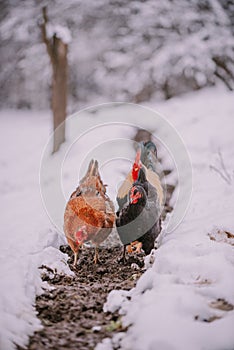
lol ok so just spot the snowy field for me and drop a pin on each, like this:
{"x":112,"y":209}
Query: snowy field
{"x":174,"y":305}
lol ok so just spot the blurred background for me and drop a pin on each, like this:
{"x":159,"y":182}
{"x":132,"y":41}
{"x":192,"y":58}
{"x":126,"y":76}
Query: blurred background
{"x":120,"y":50}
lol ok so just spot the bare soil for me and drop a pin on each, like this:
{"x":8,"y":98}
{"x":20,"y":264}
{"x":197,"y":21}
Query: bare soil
{"x":70,"y":311}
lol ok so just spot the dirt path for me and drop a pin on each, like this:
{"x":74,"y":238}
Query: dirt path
{"x":74,"y":307}
{"x":72,"y":314}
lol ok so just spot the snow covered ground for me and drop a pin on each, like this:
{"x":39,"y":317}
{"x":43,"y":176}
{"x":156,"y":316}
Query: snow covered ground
{"x":185,"y":301}
{"x":172,"y":300}
{"x":27,"y":237}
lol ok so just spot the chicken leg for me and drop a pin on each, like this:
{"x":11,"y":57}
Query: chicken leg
{"x":96,"y":258}
{"x":122,"y":260}
{"x":75,"y":259}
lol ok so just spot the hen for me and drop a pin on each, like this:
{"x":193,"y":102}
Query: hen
{"x":89,"y":213}
{"x":138,"y":220}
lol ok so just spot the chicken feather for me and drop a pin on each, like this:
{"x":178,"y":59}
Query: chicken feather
{"x":89,"y":214}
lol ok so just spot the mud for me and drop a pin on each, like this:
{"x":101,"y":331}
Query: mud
{"x":70,"y":311}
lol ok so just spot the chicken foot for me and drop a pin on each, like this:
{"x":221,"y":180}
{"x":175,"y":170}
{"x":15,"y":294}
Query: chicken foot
{"x":134,"y":247}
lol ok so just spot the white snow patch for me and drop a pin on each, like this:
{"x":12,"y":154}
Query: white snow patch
{"x":55,"y":260}
{"x":115,"y":300}
{"x":60,"y":32}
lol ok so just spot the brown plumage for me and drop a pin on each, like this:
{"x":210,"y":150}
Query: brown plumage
{"x":89,"y":214}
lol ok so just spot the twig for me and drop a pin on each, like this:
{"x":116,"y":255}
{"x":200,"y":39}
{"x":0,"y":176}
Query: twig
{"x":223,"y":172}
{"x":223,"y":165}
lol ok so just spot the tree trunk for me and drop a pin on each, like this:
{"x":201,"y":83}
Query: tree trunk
{"x":57,"y":51}
{"x":59,"y":92}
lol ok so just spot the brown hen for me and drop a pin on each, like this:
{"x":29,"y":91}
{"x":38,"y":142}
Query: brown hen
{"x":89,"y":214}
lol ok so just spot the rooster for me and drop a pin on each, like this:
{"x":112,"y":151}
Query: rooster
{"x":138,"y":220}
{"x":146,"y":158}
{"x":89,"y":213}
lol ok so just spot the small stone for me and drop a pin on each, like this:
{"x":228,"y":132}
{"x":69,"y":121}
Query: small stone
{"x":134,"y":266}
{"x":96,"y":328}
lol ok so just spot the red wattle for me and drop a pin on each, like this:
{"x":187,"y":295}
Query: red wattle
{"x":135,"y":171}
{"x":134,"y":201}
{"x":78,"y":236}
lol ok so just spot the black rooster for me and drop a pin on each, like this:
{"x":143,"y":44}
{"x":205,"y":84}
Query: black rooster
{"x":138,"y":220}
{"x":146,"y":158}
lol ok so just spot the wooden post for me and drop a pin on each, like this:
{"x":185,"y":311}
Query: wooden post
{"x":57,"y":51}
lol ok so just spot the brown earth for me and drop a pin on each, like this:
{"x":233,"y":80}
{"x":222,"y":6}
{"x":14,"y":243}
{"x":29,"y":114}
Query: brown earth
{"x":70,"y":311}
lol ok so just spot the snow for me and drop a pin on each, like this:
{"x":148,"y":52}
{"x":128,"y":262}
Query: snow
{"x":115,"y":299}
{"x":26,"y":239}
{"x":173,"y":301}
{"x":194,"y":263}
{"x":60,"y":32}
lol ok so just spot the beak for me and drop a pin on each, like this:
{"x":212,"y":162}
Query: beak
{"x":134,"y":198}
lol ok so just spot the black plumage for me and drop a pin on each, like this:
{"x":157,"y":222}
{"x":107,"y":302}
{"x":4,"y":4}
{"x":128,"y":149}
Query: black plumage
{"x":150,"y":190}
{"x":146,"y":158}
{"x":149,"y":155}
{"x":138,"y":220}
